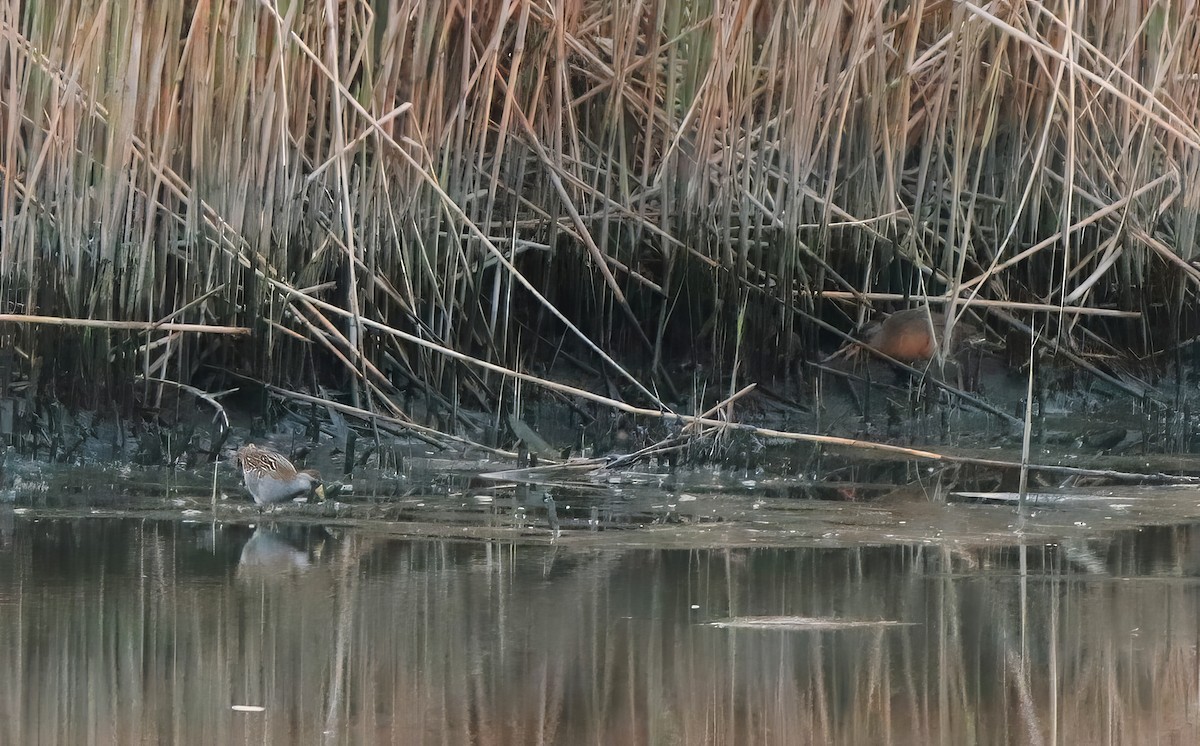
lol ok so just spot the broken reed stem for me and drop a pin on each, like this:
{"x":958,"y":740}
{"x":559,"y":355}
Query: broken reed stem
{"x":211,"y":399}
{"x":667,"y":445}
{"x":144,"y":326}
{"x":677,"y":442}
{"x":331,"y":331}
{"x":723,"y":403}
{"x":428,"y":434}
{"x":982,"y":303}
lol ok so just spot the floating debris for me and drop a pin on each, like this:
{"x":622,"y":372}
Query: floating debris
{"x":803,"y":623}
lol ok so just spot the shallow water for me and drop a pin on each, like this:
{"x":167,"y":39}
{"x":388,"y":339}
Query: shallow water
{"x":137,"y":630}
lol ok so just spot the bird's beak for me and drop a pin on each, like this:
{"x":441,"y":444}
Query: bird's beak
{"x":320,"y":492}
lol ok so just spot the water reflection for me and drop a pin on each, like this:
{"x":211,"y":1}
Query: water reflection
{"x":271,"y":552}
{"x":140,"y":631}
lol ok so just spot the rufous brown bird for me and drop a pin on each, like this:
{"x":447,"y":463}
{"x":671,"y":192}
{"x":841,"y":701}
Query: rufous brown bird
{"x":915,"y":335}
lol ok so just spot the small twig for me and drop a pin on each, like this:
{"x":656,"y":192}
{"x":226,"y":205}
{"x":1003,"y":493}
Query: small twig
{"x":427,"y":434}
{"x":198,"y":393}
{"x":722,"y":404}
{"x":666,"y":445}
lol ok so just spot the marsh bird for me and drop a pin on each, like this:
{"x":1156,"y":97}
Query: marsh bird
{"x":915,"y":335}
{"x":271,"y":478}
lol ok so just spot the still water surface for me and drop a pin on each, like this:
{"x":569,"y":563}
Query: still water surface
{"x":143,"y":631}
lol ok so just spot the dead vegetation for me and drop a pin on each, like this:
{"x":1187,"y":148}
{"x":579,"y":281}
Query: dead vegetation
{"x":439,"y":201}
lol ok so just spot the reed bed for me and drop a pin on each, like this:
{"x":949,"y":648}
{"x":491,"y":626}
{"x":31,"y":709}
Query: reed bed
{"x":365,"y":200}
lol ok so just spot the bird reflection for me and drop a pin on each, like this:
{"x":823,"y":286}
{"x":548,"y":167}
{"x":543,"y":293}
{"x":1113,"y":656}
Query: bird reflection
{"x":269,"y":553}
{"x":7,"y":526}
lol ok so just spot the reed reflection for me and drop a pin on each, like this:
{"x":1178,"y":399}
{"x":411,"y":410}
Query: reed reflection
{"x":141,"y":631}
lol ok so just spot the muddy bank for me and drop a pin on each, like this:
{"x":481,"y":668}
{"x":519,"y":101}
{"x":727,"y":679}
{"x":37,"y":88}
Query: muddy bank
{"x":566,"y":470}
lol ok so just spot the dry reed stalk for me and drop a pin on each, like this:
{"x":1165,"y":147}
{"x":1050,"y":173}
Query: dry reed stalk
{"x":141,"y":326}
{"x":983,"y":303}
{"x":458,"y":214}
{"x":679,"y":169}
